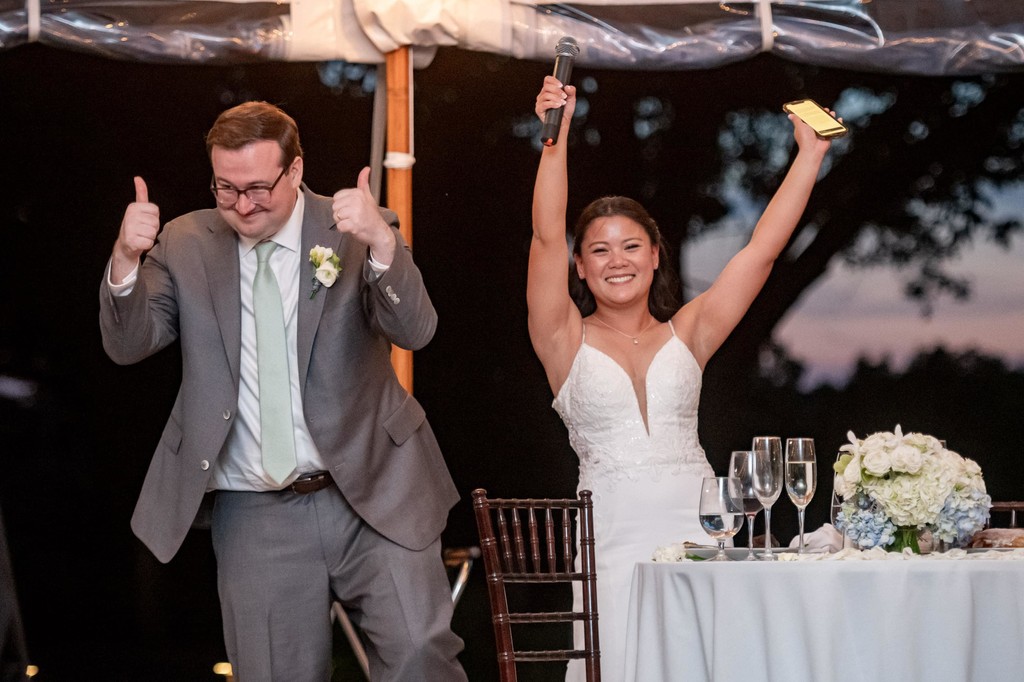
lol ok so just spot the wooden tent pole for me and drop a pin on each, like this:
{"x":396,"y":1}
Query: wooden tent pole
{"x":399,"y":178}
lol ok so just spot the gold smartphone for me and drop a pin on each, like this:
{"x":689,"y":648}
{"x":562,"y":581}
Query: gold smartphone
{"x":816,"y":116}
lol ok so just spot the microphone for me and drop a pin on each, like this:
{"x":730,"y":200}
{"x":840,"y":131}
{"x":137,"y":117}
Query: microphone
{"x":565,"y":51}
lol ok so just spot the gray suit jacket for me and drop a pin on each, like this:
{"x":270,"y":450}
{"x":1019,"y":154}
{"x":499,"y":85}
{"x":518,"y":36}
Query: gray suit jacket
{"x":373,"y":435}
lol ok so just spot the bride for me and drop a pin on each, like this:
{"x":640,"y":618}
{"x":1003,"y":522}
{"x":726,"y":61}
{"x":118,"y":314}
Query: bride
{"x":624,"y":360}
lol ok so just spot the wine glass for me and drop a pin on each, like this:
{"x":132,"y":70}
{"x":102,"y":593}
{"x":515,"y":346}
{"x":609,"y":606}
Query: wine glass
{"x":741,"y":466}
{"x":721,"y":510}
{"x":801,"y":477}
{"x":837,"y":501}
{"x":767,"y":481}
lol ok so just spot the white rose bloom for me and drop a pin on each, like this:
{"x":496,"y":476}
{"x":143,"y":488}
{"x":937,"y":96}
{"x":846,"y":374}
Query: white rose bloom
{"x":316,"y":254}
{"x":327,"y":273}
{"x":906,"y":458}
{"x":919,"y":440}
{"x":676,"y":552}
{"x":877,"y":462}
{"x":877,"y":441}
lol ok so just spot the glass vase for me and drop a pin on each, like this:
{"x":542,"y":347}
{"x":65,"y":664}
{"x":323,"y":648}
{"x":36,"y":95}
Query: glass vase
{"x":906,"y":536}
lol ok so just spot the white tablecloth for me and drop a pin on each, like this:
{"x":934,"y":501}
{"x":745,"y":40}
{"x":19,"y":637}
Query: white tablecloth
{"x":821,"y":621}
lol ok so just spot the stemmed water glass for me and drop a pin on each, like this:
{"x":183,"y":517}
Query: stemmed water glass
{"x":721,"y":510}
{"x":837,"y":502}
{"x":801,"y":477}
{"x":767,"y":481}
{"x":741,"y":466}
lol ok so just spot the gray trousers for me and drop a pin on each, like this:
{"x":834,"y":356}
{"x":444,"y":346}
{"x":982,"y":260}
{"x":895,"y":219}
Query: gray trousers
{"x":283,"y":557}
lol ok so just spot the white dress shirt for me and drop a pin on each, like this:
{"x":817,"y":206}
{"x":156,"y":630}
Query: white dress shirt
{"x":240,"y":465}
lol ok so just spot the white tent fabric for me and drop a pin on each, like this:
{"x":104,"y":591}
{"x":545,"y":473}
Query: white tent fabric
{"x":929,"y":37}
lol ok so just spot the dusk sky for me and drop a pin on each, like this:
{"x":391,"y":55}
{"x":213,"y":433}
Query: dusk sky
{"x":863,"y":312}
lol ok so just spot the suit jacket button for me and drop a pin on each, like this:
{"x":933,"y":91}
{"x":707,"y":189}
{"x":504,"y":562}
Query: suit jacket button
{"x":227,"y":414}
{"x":204,"y":465}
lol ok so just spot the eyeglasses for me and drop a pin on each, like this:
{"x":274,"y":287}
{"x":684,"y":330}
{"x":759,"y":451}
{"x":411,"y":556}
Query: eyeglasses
{"x":228,"y":196}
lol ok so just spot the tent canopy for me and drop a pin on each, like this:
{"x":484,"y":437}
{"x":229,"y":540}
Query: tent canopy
{"x":925,"y":37}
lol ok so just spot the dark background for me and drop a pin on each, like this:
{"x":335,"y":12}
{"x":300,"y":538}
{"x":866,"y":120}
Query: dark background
{"x":75,"y":446}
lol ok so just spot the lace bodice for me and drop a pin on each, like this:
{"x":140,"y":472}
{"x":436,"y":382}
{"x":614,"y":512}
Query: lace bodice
{"x":599,"y":406}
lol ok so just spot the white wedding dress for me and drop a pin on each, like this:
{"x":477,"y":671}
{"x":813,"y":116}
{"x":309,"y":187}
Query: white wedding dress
{"x":645,"y":481}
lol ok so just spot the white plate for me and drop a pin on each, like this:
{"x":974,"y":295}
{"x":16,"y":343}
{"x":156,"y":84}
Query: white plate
{"x":734,"y":553}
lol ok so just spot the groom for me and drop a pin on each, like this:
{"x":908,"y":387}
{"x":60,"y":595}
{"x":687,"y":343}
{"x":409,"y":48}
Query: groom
{"x":326,"y":477}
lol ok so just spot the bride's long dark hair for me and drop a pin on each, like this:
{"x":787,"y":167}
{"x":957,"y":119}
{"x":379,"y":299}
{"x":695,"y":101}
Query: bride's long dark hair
{"x":663,"y":299}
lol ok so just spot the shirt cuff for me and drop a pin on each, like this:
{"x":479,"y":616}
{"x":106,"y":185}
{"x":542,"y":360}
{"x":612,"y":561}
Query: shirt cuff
{"x":125,"y":287}
{"x":377,"y":267}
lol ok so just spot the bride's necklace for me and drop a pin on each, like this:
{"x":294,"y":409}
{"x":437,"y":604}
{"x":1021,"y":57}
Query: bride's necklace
{"x":636,"y":339}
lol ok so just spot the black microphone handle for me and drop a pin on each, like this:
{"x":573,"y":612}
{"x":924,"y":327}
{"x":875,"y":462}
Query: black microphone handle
{"x":553,"y":117}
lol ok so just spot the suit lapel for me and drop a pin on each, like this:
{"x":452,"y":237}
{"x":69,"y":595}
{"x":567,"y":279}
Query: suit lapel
{"x":317,"y":230}
{"x":220,"y":260}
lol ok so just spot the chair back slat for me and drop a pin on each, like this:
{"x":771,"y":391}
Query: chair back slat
{"x":549,"y":534}
{"x":548,"y":559}
{"x":517,"y":540}
{"x":566,"y":543}
{"x":531,"y":520}
{"x":503,"y":541}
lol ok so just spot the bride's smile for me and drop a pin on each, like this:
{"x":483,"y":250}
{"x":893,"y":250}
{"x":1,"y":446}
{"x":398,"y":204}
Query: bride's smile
{"x":617,"y":254}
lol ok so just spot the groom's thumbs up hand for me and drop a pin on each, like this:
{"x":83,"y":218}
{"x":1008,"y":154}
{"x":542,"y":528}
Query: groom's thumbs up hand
{"x":355,"y":212}
{"x":141,"y":191}
{"x":139,"y":229}
{"x":363,"y":181}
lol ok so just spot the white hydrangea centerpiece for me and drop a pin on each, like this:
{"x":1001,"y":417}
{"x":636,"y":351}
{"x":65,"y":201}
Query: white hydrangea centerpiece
{"x":895,"y":485}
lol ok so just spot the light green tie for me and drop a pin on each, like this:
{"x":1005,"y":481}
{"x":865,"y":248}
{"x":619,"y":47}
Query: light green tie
{"x":277,"y":433}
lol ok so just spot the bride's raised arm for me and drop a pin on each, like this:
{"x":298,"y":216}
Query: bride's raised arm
{"x":711,"y":317}
{"x":554,"y":321}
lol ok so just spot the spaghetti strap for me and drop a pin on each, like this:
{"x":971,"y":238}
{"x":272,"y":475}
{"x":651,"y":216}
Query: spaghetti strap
{"x":673,"y":329}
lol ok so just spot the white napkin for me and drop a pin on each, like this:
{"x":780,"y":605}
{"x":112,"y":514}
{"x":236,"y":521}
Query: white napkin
{"x":826,"y":538}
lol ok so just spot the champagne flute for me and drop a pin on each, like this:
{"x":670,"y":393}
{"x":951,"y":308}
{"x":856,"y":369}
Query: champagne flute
{"x":741,"y":466}
{"x":767,"y":481}
{"x":721,"y":510}
{"x":801,"y":477}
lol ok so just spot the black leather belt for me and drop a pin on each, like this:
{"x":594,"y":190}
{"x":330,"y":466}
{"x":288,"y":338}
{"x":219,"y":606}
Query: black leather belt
{"x":310,"y":483}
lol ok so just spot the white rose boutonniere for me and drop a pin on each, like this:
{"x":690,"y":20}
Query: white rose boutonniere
{"x":327,"y":265}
